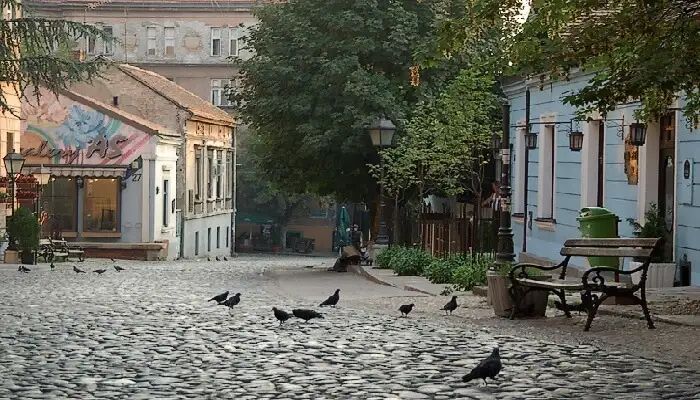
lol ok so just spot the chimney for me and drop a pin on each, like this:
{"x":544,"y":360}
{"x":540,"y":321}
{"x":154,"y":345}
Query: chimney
{"x":115,"y":101}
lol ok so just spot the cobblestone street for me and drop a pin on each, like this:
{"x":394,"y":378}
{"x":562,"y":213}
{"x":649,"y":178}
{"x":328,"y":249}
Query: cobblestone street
{"x":149,"y":333}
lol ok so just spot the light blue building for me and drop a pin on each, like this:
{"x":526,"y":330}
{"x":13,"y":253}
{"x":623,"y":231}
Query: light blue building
{"x":606,"y":172}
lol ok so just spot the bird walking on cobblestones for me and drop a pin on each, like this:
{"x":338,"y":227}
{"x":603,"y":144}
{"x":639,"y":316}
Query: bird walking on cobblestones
{"x":231,"y":301}
{"x":405,"y":309}
{"x":488,"y":368}
{"x":78,"y":270}
{"x":52,"y":266}
{"x":208,"y":258}
{"x":450,"y":306}
{"x":217,"y":258}
{"x":118,"y":268}
{"x":219,"y":298}
{"x":305,"y":314}
{"x":332,"y":300}
{"x":112,"y":259}
{"x":24,"y":269}
{"x":281,"y":315}
{"x":100,"y":271}
{"x":225,"y":259}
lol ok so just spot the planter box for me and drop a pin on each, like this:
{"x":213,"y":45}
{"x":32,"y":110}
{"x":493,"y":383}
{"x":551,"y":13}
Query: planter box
{"x":659,"y":275}
{"x":11,"y":257}
{"x":497,"y":293}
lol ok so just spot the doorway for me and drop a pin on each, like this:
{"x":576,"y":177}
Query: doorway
{"x":601,"y":165}
{"x":667,"y":175}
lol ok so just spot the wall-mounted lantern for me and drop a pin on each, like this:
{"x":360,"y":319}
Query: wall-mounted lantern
{"x":576,"y":141}
{"x":638,"y":133}
{"x":531,"y":140}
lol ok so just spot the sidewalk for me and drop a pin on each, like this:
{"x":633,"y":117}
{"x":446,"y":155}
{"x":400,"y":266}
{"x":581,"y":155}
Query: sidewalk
{"x":677,"y":306}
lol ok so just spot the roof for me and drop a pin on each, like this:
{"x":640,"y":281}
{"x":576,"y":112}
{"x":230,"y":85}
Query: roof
{"x":122,"y":115}
{"x":178,"y":95}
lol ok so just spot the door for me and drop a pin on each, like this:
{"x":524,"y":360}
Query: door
{"x":601,"y":164}
{"x":667,"y":174}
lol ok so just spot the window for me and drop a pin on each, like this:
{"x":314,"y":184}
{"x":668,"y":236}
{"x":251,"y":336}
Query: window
{"x":198,"y":173}
{"x":151,"y":40}
{"x":10,"y":142}
{"x":208,"y":239}
{"x":545,"y":192}
{"x":519,"y":169}
{"x":109,"y":32}
{"x":234,"y":48}
{"x":196,"y":243}
{"x":219,"y":171}
{"x":229,"y":174}
{"x":215,"y":41}
{"x":166,"y":201}
{"x":210,"y":173}
{"x":101,"y":205}
{"x":90,"y":44}
{"x":169,"y":41}
{"x":217,"y":92}
{"x":218,"y":237}
{"x":59,"y":199}
{"x":227,"y":236}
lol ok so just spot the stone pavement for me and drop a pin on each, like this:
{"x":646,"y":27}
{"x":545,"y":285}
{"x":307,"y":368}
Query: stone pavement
{"x":148,"y":333}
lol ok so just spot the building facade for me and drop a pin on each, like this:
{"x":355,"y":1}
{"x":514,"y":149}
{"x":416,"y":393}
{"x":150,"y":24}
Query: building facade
{"x":190,"y":42}
{"x":110,"y":175}
{"x":551,"y":183}
{"x":204,"y":197}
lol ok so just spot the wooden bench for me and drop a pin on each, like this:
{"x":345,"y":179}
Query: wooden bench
{"x":50,"y":252}
{"x":597,"y":283}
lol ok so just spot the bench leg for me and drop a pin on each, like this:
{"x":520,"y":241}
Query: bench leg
{"x":595,"y":303}
{"x":645,"y":308}
{"x":564,"y":306}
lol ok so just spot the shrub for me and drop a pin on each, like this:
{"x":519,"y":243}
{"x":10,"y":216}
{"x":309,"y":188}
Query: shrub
{"x":410,"y":261}
{"x":472,"y":272}
{"x":442,"y":269}
{"x":23,"y":227}
{"x":384,"y":258}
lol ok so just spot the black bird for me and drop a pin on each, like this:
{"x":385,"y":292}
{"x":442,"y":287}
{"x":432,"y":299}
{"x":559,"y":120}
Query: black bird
{"x":281,"y":315}
{"x":208,"y":258}
{"x":332,"y":300}
{"x":306,"y":315}
{"x":219,"y":298}
{"x":225,"y":259}
{"x":231,"y":301}
{"x":450,"y":306}
{"x":100,"y":271}
{"x":52,"y":266}
{"x":24,"y":269}
{"x":118,"y":268}
{"x":217,"y":258}
{"x":488,"y":368}
{"x":78,"y":270}
{"x":405,"y":309}
{"x":112,"y":259}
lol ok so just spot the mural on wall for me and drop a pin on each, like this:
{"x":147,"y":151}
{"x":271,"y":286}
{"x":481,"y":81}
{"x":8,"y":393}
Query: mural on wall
{"x":59,"y":130}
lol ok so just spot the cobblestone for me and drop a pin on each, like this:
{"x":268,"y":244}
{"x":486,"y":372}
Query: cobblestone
{"x":148,"y":333}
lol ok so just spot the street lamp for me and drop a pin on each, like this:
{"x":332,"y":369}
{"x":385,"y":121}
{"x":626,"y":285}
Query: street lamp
{"x":13,"y":165}
{"x":382,"y":135}
{"x":504,"y":246}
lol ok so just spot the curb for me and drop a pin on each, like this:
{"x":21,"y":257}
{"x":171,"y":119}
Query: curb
{"x":360,"y":270}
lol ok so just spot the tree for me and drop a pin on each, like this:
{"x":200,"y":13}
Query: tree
{"x":35,"y":52}
{"x":321,"y":73}
{"x":634,"y":49}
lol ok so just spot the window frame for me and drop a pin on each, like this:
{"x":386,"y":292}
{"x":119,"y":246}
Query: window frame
{"x":234,"y":42}
{"x":151,"y":51}
{"x":166,"y":201}
{"x":215,"y":42}
{"x":218,"y":171}
{"x":90,"y":44}
{"x":210,"y":173}
{"x":117,"y":211}
{"x":547,"y":173}
{"x":166,"y":39}
{"x":108,"y":45}
{"x":198,"y":172}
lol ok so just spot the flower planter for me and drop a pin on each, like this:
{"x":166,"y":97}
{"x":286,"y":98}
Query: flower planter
{"x":659,"y":275}
{"x":11,"y":257}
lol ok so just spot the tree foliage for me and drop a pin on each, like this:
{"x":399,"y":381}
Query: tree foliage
{"x":634,"y":49}
{"x":35,"y":52}
{"x":446,"y":141}
{"x":321,"y":73}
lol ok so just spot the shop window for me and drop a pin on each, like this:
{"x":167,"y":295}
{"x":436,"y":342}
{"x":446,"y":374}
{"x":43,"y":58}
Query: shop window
{"x":59,"y":200}
{"x":101,"y":205}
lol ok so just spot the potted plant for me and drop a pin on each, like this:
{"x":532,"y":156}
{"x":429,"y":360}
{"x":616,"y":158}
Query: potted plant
{"x":662,"y":269}
{"x":23,"y":228}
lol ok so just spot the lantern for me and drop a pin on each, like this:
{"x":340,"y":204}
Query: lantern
{"x":576,"y":141}
{"x":638,"y":133}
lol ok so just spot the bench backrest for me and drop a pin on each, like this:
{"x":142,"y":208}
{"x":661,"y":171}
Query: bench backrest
{"x":611,"y":247}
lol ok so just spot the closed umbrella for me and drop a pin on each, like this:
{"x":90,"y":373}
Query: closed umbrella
{"x":343,"y":227}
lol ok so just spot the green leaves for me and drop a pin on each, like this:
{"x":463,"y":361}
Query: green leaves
{"x":36,"y":51}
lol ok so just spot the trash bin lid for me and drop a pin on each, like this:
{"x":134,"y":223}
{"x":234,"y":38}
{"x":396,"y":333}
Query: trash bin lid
{"x":595,"y":213}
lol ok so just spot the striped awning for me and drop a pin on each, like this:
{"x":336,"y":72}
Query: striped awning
{"x":88,"y":171}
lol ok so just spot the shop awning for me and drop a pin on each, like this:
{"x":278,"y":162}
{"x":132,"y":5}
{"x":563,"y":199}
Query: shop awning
{"x":88,"y":170}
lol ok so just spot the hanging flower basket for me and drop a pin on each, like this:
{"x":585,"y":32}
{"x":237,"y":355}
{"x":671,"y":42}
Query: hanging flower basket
{"x":25,"y":195}
{"x":26,"y":179}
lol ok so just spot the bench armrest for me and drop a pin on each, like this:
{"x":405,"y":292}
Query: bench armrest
{"x":520,"y":270}
{"x":593,"y":277}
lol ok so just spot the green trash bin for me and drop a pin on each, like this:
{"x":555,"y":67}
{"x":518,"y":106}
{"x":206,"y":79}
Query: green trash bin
{"x":598,"y":222}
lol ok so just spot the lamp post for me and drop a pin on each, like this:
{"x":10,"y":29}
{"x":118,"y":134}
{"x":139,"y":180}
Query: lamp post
{"x":382,"y":135}
{"x":504,"y":246}
{"x":13,"y":167}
